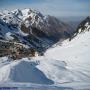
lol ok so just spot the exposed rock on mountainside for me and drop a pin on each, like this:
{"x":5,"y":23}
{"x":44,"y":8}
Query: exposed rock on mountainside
{"x":15,"y":50}
{"x":82,"y":27}
{"x":32,"y":28}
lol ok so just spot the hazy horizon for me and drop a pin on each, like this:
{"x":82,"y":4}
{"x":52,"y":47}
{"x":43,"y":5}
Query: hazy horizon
{"x":59,"y":8}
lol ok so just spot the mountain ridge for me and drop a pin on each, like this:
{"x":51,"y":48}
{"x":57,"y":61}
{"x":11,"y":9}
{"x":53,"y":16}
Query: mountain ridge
{"x":32,"y":28}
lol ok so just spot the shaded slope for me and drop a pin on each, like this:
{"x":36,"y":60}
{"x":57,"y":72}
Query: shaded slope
{"x":24,"y":71}
{"x":27,"y":72}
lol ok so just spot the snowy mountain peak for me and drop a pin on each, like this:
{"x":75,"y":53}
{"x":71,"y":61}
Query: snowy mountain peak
{"x":32,"y":28}
{"x":17,"y":12}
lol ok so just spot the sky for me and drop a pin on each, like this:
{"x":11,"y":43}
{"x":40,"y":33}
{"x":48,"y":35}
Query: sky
{"x":65,"y":8}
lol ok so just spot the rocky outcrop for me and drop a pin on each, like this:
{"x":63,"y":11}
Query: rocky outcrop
{"x":15,"y":50}
{"x":32,"y":28}
{"x":82,"y":27}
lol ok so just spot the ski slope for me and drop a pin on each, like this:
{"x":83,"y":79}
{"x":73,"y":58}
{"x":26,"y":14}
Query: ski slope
{"x":76,"y":54}
{"x":65,"y":67}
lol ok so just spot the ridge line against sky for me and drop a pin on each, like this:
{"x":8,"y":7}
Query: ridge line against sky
{"x":52,"y":7}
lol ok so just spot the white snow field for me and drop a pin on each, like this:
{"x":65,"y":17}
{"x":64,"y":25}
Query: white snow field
{"x":65,"y":67}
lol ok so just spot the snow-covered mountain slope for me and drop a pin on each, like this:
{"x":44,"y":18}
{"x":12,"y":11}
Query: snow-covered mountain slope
{"x":66,"y":66}
{"x":32,"y":28}
{"x":83,"y":26}
{"x":76,"y":56}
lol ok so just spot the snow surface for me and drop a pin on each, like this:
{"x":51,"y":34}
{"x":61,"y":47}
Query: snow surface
{"x":8,"y":36}
{"x":65,"y":67}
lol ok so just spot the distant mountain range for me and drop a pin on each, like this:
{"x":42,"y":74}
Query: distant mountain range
{"x":33,"y":29}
